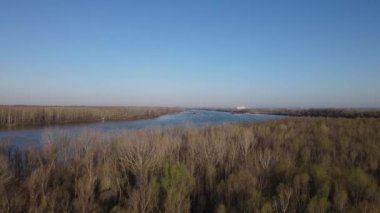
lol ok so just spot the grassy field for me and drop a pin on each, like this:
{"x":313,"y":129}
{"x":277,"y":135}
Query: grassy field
{"x":286,"y":165}
{"x":14,"y":116}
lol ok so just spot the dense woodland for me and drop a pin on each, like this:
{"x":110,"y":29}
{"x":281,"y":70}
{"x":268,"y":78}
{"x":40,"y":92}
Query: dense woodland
{"x":286,"y":165}
{"x":13,"y":116}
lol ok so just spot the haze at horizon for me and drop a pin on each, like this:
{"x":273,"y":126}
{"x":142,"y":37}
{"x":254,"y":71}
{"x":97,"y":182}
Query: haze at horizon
{"x":193,"y":53}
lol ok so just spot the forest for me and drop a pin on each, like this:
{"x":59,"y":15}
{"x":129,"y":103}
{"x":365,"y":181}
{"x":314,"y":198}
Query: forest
{"x":16,"y":116}
{"x":286,"y":165}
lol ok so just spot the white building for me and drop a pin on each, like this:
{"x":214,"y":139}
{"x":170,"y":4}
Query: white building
{"x":241,"y":108}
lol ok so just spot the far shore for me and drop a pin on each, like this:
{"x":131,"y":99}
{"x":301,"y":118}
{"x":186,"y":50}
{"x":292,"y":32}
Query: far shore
{"x":308,"y":112}
{"x":16,"y":116}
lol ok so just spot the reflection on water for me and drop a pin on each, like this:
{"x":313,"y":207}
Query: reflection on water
{"x":192,"y":117}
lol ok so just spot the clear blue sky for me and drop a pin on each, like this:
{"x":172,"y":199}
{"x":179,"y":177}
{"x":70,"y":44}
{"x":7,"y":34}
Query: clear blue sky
{"x":314,"y":53}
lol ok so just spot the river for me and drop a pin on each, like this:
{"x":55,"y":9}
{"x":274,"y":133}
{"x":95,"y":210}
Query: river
{"x":194,"y":117}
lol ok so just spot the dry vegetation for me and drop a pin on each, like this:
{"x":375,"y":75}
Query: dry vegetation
{"x":287,"y":165}
{"x":11,"y":116}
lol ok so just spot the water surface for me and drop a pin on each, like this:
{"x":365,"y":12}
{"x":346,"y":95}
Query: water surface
{"x":192,"y":117}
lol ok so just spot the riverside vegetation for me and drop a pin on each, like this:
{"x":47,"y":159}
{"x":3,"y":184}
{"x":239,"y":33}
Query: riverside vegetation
{"x":286,"y":165}
{"x":13,"y":116}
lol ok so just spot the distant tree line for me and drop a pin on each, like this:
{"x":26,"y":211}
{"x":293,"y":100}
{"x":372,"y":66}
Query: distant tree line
{"x":312,"y":112}
{"x":335,"y":113}
{"x":11,"y":116}
{"x":286,"y":165}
